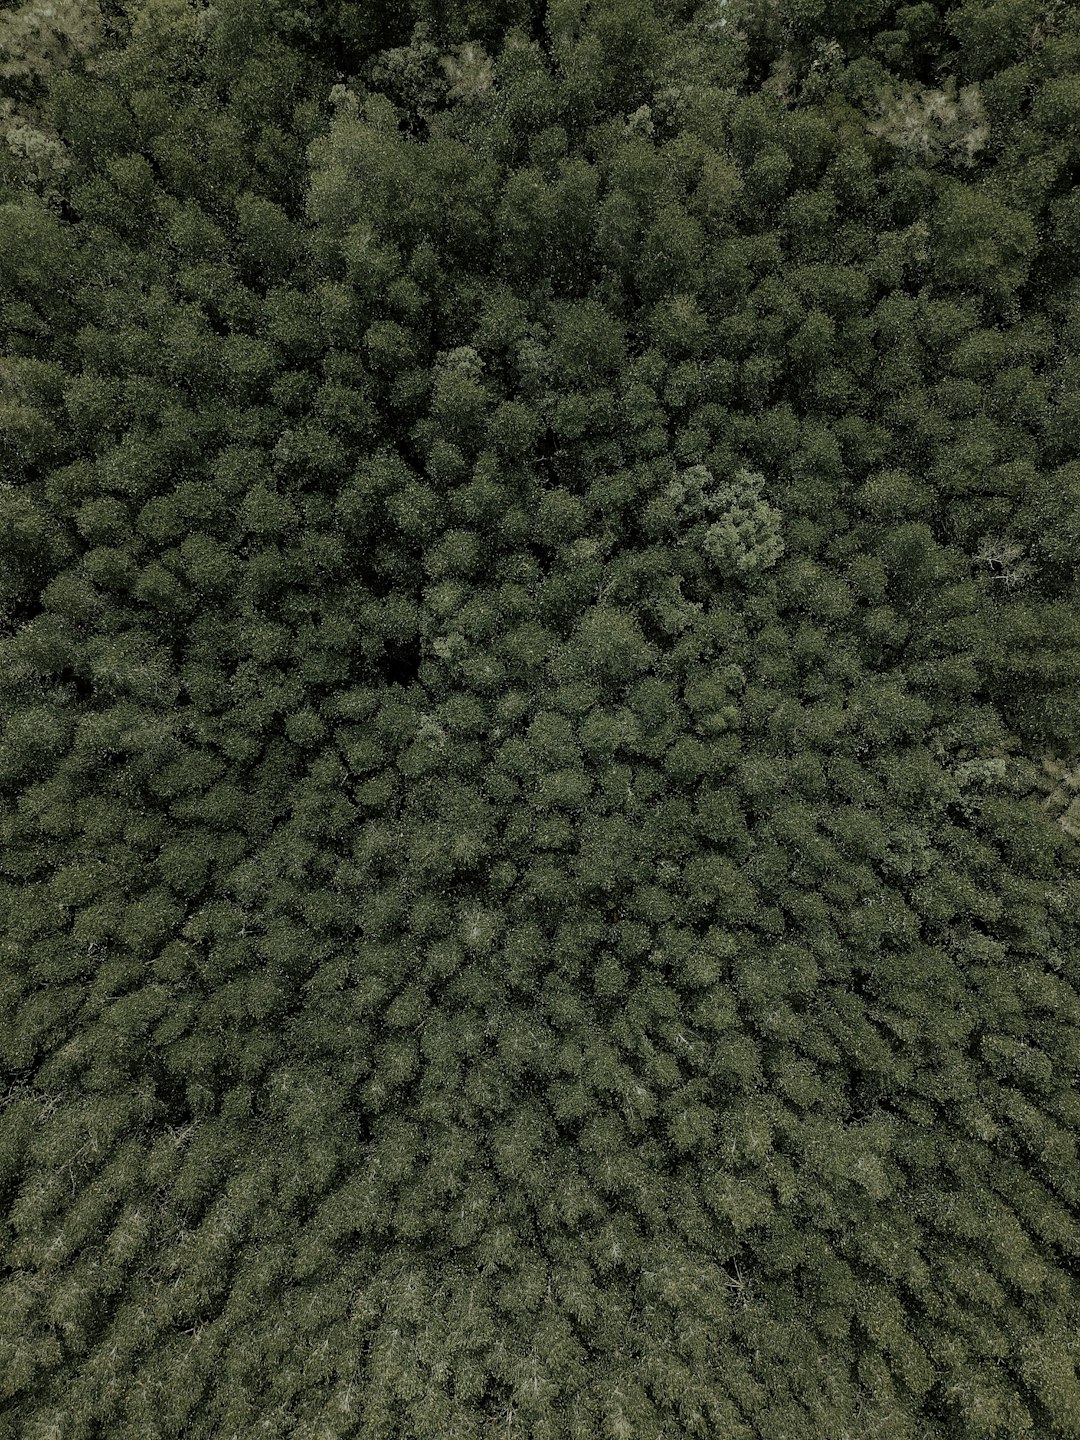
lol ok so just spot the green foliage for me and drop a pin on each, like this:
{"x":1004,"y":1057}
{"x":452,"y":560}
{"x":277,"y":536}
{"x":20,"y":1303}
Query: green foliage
{"x":981,"y":243}
{"x":746,"y":536}
{"x":538,"y":720}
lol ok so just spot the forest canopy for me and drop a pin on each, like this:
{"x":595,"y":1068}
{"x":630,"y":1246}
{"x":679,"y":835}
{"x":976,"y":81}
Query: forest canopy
{"x":539,"y":719}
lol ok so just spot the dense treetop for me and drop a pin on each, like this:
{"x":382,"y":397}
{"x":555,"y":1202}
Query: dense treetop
{"x":540,"y":698}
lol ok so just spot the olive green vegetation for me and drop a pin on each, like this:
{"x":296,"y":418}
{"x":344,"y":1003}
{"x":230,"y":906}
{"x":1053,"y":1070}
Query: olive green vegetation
{"x":540,"y":678}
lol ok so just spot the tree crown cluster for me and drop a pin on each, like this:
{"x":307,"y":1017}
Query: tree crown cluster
{"x":540,"y":675}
